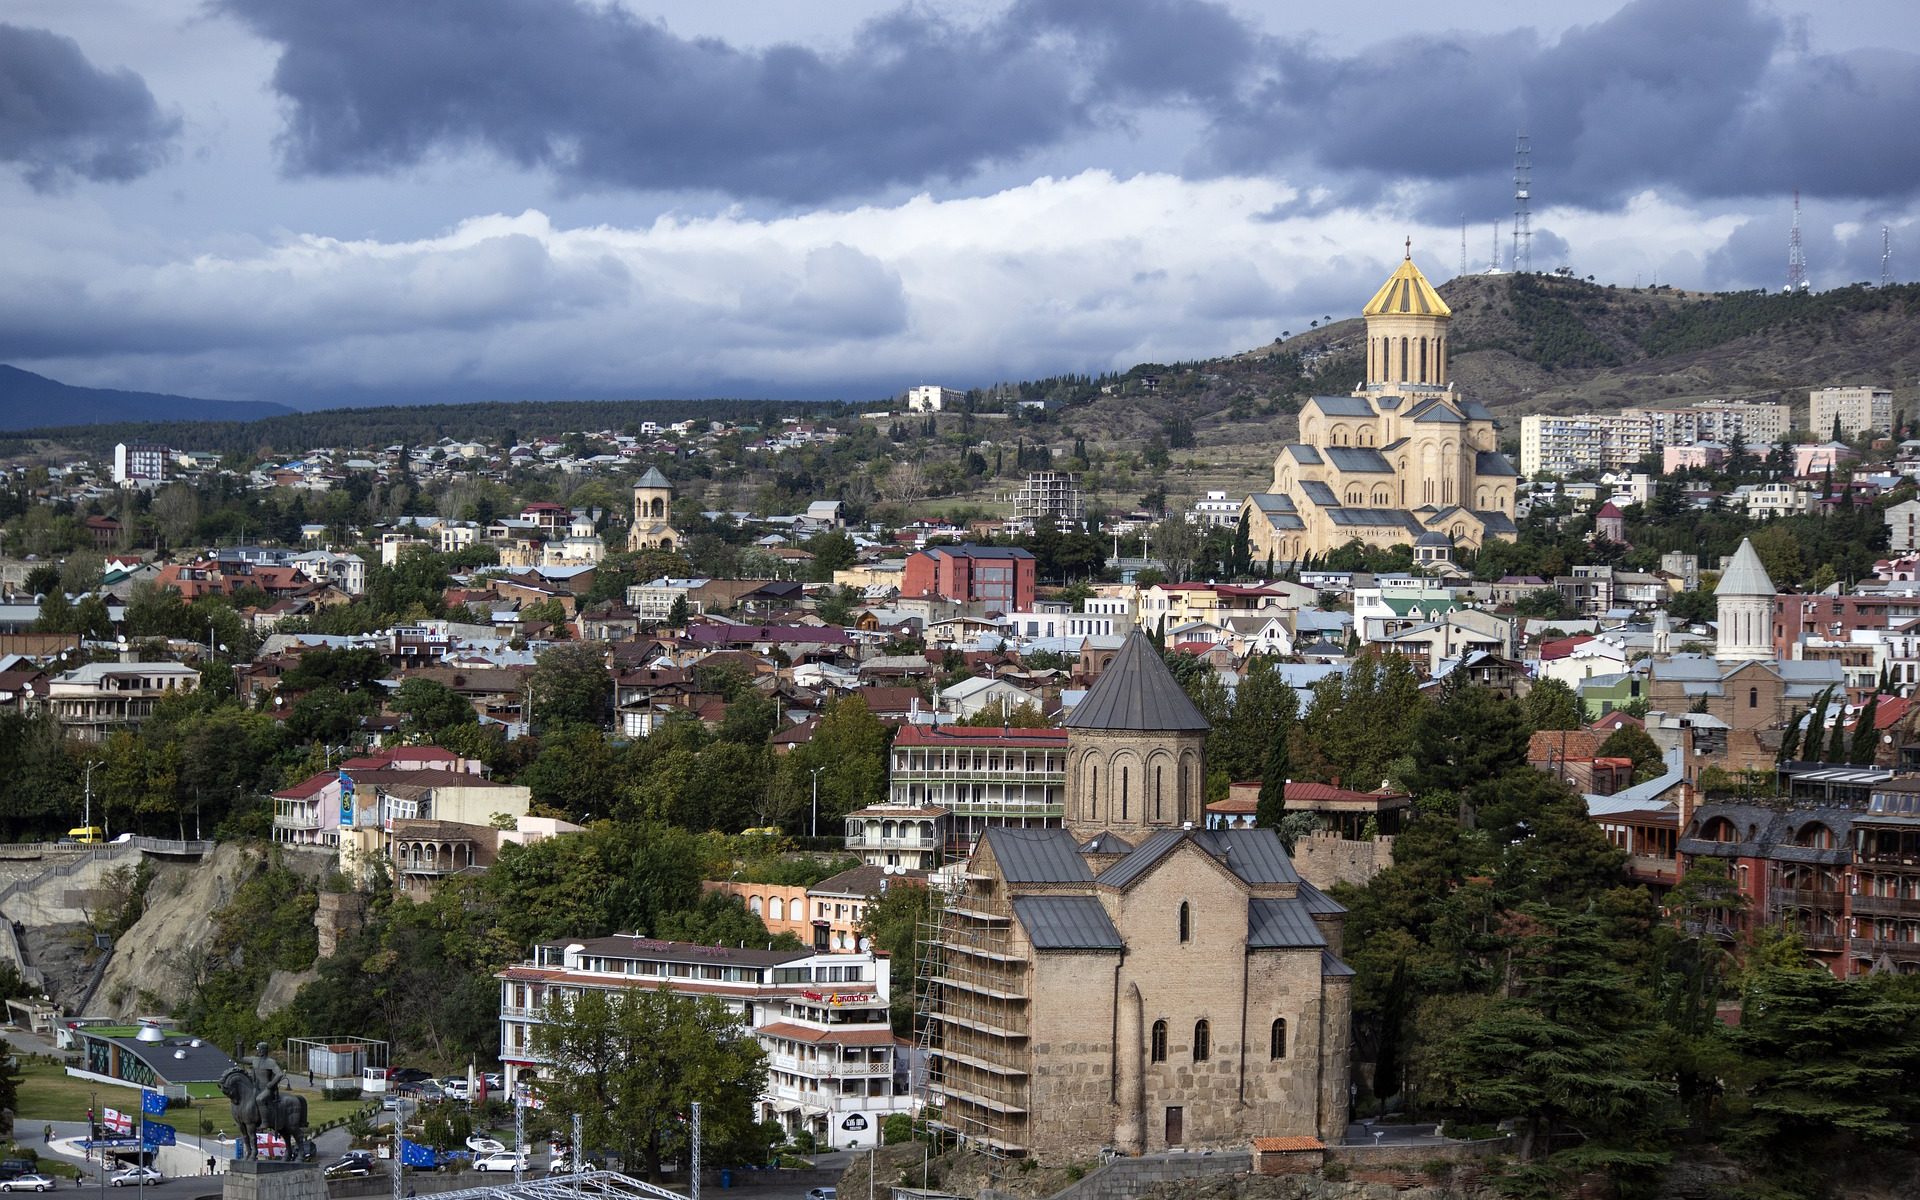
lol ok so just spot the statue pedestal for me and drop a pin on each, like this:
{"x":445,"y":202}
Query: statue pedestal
{"x":273,"y":1179}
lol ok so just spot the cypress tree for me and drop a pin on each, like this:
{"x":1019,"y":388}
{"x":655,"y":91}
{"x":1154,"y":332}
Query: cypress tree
{"x":1242,"y":549}
{"x":1864,"y":735}
{"x":1271,"y":808}
{"x":1790,"y":743}
{"x":1816,"y":727}
{"x":1837,"y":744}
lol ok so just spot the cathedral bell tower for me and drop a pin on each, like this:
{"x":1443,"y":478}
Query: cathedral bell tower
{"x":1407,"y":334}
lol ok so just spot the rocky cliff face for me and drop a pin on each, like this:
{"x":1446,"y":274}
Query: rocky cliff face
{"x":157,"y":962}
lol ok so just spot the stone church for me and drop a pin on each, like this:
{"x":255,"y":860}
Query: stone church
{"x":1133,"y":980}
{"x":1403,"y":457}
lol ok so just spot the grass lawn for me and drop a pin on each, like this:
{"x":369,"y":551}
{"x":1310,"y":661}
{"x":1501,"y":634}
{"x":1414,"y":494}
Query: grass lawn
{"x":48,"y":1093}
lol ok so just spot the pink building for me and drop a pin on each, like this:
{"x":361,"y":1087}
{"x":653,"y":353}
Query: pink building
{"x":1701,"y":456}
{"x":1809,"y":461}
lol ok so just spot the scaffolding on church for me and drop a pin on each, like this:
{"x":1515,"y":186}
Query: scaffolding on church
{"x":973,"y":1019}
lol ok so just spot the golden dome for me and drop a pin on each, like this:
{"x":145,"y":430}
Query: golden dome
{"x":1407,"y":293}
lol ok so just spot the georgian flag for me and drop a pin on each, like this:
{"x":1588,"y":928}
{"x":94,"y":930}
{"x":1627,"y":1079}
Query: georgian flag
{"x":272,"y":1145}
{"x":116,"y":1120}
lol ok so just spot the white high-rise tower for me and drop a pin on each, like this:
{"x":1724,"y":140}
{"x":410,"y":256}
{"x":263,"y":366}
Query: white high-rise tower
{"x":1745,"y":599}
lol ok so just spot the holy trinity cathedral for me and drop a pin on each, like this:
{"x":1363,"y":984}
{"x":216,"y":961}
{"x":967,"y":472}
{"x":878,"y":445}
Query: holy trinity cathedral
{"x":1404,"y":460}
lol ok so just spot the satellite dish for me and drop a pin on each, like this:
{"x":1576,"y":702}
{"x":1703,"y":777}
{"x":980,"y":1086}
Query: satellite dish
{"x":866,"y":945}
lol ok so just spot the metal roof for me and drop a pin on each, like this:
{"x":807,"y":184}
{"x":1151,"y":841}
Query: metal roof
{"x":1066,"y":923}
{"x":1359,"y":459}
{"x":1280,"y":924}
{"x":1037,"y":855}
{"x":1106,"y":843}
{"x":1492,"y":462}
{"x":1136,"y":691}
{"x":1331,"y":965}
{"x":1318,"y":902}
{"x":653,"y":479}
{"x":1255,"y":855}
{"x":1301,"y":452}
{"x":1273,"y":502}
{"x":1745,"y":575}
{"x":1342,"y":406}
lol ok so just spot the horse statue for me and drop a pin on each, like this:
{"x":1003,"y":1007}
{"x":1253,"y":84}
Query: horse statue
{"x":286,"y":1115}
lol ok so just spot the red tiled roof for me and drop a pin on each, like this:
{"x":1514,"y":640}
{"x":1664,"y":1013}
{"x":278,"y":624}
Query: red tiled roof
{"x":1564,"y":744}
{"x":940,"y":735}
{"x":312,"y":785}
{"x":1554,"y":648}
{"x":1271,"y":1145}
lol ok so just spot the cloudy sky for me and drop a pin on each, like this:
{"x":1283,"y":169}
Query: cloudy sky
{"x":333,"y":201}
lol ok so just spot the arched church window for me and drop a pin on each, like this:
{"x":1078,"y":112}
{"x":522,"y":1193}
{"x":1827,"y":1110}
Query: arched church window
{"x":1186,"y":922}
{"x":1277,"y":1039}
{"x":1202,"y":1041}
{"x":1159,"y":1043}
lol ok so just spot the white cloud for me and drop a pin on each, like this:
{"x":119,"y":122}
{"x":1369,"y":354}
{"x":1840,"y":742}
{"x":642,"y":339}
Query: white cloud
{"x":1089,"y":272}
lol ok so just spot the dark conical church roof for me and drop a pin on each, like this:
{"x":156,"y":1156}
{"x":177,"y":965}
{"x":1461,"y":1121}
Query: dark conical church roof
{"x":1136,"y":691}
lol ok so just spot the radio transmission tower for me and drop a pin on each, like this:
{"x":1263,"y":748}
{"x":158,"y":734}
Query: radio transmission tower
{"x":1522,"y":193}
{"x":1886,"y":257}
{"x":1493,"y":260}
{"x":1796,"y":253}
{"x":1463,"y":243}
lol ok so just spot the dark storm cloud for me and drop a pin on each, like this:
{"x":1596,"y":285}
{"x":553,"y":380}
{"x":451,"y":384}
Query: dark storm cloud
{"x":1713,"y":99}
{"x":600,"y":97}
{"x":62,"y":117}
{"x":1710,"y":98}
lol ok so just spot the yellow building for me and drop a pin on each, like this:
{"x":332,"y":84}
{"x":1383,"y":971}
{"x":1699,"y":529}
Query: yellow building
{"x":1401,"y":457}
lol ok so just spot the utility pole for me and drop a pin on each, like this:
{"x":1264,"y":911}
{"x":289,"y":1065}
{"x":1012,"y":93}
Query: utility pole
{"x":816,"y":801}
{"x":86,"y":787}
{"x":693,"y":1168}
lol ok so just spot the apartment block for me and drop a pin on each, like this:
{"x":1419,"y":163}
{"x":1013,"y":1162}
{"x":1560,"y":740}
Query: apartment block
{"x":1857,"y":409}
{"x":1730,"y":422}
{"x":1054,"y":494}
{"x":982,"y":777}
{"x":1561,"y":445}
{"x":932,"y":398}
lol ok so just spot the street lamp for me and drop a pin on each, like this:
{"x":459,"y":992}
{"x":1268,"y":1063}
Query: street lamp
{"x":816,"y":801}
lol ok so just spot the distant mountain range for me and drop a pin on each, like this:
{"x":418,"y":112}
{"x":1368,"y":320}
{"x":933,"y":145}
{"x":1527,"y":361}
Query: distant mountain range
{"x":29,"y":401}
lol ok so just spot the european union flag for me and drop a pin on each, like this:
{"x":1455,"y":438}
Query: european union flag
{"x":413,"y":1154}
{"x":153,"y":1133}
{"x":153,"y":1102}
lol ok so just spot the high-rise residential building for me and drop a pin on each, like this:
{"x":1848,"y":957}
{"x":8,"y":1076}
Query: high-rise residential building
{"x":1729,"y":422}
{"x":1560,"y":444}
{"x":1855,"y":409}
{"x":139,"y":463}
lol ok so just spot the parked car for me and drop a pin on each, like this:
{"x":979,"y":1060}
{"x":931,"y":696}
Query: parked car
{"x":351,"y":1166}
{"x":134,"y":1176}
{"x":28,"y":1182}
{"x":505,"y":1160}
{"x":401,"y":1075}
{"x":825,"y":1193}
{"x":495,"y":1081}
{"x":454,"y":1087}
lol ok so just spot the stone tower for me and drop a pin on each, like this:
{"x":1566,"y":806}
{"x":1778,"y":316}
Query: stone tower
{"x":1745,"y":598}
{"x":1136,"y":750}
{"x":652,"y":513}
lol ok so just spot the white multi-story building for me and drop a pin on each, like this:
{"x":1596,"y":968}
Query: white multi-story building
{"x":1064,"y":624}
{"x":1776,"y":499}
{"x":932,"y":398}
{"x":140,"y":464}
{"x":94,"y":701}
{"x":982,"y":776}
{"x":1216,"y":511}
{"x":1857,"y":409}
{"x":1903,"y":527}
{"x":1731,"y":422}
{"x":1562,"y":444}
{"x":834,"y":1066}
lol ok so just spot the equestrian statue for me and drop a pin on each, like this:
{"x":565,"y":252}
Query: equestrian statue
{"x":254,"y":1091}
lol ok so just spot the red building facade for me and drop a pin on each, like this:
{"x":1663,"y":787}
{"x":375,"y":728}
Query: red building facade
{"x":993,"y":578}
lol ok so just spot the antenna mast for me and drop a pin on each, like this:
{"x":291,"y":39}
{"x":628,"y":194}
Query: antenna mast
{"x":1463,"y":244}
{"x":1493,"y":260}
{"x":1796,"y":253}
{"x":1886,"y":256}
{"x":1522,"y":193}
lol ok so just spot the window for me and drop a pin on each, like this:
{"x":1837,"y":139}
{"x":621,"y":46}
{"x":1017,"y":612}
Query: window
{"x":1159,"y":1048}
{"x":1277,"y":1039}
{"x":1186,"y":926}
{"x":1202,"y":1041}
{"x":1753,"y":697}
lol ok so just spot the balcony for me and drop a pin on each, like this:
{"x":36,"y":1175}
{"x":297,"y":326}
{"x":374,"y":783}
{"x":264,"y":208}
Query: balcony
{"x":1829,"y":943}
{"x":828,"y":1068}
{"x":1787,"y":897}
{"x":302,"y":820}
{"x":1870,"y":947}
{"x":862,"y":841}
{"x":1652,"y":869}
{"x":1886,"y":906}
